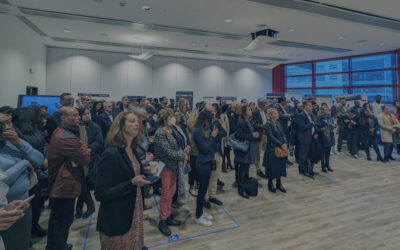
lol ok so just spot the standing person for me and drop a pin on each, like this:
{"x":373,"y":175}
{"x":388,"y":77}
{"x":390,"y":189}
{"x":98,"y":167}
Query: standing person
{"x":341,"y":114}
{"x":224,"y":143}
{"x":305,"y":132}
{"x":66,"y":99}
{"x":90,"y":133}
{"x":275,"y":167}
{"x":244,"y":102}
{"x":377,"y":106}
{"x":352,"y":127}
{"x":96,"y":111}
{"x":106,"y":118}
{"x":368,"y":129}
{"x":325,"y":125}
{"x":17,"y":159}
{"x":167,"y":150}
{"x":387,"y":121}
{"x":294,"y":131}
{"x":119,"y":187}
{"x":245,"y":131}
{"x":396,"y":112}
{"x":204,"y":139}
{"x":273,"y":103}
{"x":259,"y":119}
{"x":234,"y":117}
{"x":284,"y":119}
{"x":211,"y":195}
{"x":66,"y":156}
{"x":122,"y":107}
{"x":357,"y":108}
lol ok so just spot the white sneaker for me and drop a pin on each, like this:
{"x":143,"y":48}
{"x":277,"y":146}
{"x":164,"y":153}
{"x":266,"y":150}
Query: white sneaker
{"x":203,"y":221}
{"x":208,"y":216}
{"x":356,"y":156}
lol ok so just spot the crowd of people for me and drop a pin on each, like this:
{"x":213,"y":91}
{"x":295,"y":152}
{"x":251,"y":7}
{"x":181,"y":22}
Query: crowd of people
{"x":108,"y":147}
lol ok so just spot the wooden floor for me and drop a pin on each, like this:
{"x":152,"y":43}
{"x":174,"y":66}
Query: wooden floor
{"x":356,"y":207}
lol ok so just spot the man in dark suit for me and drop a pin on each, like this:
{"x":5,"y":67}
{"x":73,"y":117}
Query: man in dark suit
{"x":106,"y":118}
{"x":305,"y":125}
{"x":284,"y":119}
{"x":259,"y":119}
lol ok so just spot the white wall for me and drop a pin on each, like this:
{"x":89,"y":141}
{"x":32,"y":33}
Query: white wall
{"x":80,"y":71}
{"x":20,"y":50}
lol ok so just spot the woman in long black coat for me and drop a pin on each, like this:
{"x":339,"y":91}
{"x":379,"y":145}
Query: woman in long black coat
{"x":275,"y":167}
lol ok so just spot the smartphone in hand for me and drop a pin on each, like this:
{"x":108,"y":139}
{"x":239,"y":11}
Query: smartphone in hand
{"x":27,"y":201}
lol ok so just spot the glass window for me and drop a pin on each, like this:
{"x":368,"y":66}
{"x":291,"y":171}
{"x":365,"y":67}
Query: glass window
{"x":334,"y":80}
{"x":298,"y":69}
{"x":298,"y":82}
{"x":388,"y":93}
{"x":374,"y":62}
{"x":331,"y":92}
{"x":388,"y":77}
{"x":332,"y":66}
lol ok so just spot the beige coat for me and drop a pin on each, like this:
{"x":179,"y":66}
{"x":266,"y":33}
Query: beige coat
{"x":386,"y":133}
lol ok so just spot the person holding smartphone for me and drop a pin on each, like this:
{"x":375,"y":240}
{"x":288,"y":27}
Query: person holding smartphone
{"x":119,"y":186}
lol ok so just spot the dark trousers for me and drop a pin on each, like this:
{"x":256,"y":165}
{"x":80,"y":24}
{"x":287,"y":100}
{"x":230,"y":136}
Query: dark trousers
{"x":193,"y":171}
{"x":85,"y":197}
{"x":387,"y":150}
{"x":236,"y":172}
{"x":227,"y":155}
{"x":304,"y":161}
{"x":37,"y":205}
{"x":203,"y":175}
{"x":61,"y":218}
{"x":296,"y":149}
{"x":371,"y":140}
{"x":353,"y":141}
{"x":325,"y":157}
{"x":17,"y":237}
{"x":243,"y":176}
{"x":342,"y":135}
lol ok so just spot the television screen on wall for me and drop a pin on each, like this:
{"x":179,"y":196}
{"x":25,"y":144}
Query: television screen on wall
{"x":51,"y":102}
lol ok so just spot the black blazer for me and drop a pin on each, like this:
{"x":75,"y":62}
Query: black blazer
{"x":304,"y":128}
{"x":105,"y":123}
{"x":115,"y":191}
{"x":275,"y":134}
{"x":257,"y":123}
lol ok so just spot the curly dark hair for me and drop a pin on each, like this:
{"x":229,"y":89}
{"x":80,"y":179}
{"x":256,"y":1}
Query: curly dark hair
{"x":204,"y":119}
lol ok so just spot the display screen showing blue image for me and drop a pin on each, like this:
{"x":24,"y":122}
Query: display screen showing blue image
{"x":51,"y":102}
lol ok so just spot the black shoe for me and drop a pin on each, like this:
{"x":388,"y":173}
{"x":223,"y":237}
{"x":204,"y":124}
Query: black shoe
{"x":163,"y":227}
{"x":39,"y":231}
{"x":369,"y":158}
{"x":69,"y":246}
{"x":216,"y":201}
{"x":301,"y":171}
{"x":391,"y":158}
{"x":244,"y":195}
{"x":324,"y":170}
{"x":88,"y":213}
{"x":78,"y":214}
{"x":289,"y":163}
{"x":172,"y":222}
{"x":220,"y":183}
{"x":308,"y":175}
{"x":385,"y":160}
{"x":271,"y":188}
{"x":281,"y":188}
{"x":315,"y":173}
{"x":330,"y":169}
{"x":235,"y":185}
{"x":207,"y":204}
{"x":261,"y":174}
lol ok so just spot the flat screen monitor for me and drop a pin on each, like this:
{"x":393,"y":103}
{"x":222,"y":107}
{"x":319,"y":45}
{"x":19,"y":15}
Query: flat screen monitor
{"x":50,"y":101}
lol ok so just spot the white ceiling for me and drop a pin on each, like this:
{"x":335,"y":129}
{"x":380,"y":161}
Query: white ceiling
{"x":209,"y":15}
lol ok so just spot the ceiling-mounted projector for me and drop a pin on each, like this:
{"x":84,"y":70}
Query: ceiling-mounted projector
{"x":261,"y":37}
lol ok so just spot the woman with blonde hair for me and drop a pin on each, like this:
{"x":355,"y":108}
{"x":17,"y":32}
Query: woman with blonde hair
{"x":388,"y":123}
{"x":119,"y":187}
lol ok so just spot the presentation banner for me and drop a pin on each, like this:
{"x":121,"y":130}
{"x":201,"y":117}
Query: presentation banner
{"x":228,"y":99}
{"x":209,"y":99}
{"x":188,"y":96}
{"x":294,"y":96}
{"x":319,"y":99}
{"x":93,"y":95}
{"x":351,"y":98}
{"x":271,"y":96}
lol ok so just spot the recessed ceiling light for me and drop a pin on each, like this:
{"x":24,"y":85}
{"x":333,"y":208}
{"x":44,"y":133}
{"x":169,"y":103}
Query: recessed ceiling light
{"x":291,"y":30}
{"x":145,"y":7}
{"x":240,"y":49}
{"x":67,"y":31}
{"x":103,"y":34}
{"x":228,"y":20}
{"x":193,"y":44}
{"x":340,"y":37}
{"x":382,"y":44}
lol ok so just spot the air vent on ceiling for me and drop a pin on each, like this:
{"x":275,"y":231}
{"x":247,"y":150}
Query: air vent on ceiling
{"x":31,"y":25}
{"x":309,"y":46}
{"x":153,"y":48}
{"x":337,"y":12}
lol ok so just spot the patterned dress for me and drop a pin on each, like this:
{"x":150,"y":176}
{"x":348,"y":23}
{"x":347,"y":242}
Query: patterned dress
{"x":134,"y":238}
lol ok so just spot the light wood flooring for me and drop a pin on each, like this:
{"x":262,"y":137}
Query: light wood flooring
{"x":356,"y":207}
